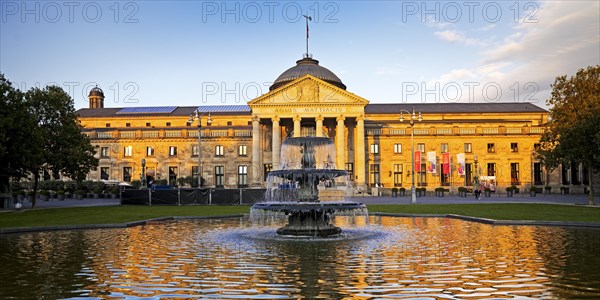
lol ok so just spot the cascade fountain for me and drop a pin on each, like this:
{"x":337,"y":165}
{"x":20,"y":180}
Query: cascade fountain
{"x":308,"y":188}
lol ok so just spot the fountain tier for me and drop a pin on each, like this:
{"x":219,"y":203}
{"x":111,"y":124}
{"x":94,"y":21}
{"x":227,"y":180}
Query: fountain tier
{"x":308,"y":188}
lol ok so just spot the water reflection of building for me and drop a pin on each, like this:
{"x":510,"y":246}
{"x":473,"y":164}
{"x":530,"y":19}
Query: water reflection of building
{"x":243,"y":142}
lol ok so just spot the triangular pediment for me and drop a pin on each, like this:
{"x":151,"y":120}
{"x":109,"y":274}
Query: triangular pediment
{"x":308,"y":90}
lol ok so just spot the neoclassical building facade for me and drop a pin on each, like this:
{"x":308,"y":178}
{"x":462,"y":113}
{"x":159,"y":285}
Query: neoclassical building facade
{"x":240,"y":144}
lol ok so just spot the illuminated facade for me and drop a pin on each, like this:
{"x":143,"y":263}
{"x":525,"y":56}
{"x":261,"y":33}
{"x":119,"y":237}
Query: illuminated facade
{"x":242,"y":143}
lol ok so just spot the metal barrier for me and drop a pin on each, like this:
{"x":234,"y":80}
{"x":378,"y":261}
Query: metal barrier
{"x":192,"y":197}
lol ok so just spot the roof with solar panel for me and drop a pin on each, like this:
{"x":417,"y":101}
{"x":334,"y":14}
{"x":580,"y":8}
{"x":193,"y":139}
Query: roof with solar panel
{"x":163,"y":110}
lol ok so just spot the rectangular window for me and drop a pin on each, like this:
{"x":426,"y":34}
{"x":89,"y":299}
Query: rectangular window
{"x":127,"y":174}
{"x":107,"y":125}
{"x":491,"y":148}
{"x":194,"y":171}
{"x":350,"y":170}
{"x":565,"y":174}
{"x":127,"y":124}
{"x":398,"y":174}
{"x":267,"y":168}
{"x":537,"y":174}
{"x":375,"y":177}
{"x":173,"y":176}
{"x":168,"y":124}
{"x":514,"y":147}
{"x":468,"y":174}
{"x":514,"y":174}
{"x":397,"y":148}
{"x":421,"y":147}
{"x":150,"y":151}
{"x":243,"y":150}
{"x":444,"y":148}
{"x":219,"y":150}
{"x":104,"y":173}
{"x":242,"y":176}
{"x":575,"y":174}
{"x":374,"y":148}
{"x":173,"y":151}
{"x":468,"y":148}
{"x":128,"y":151}
{"x":491,"y":169}
{"x":195,"y":151}
{"x":229,"y":123}
{"x":104,"y":152}
{"x":148,"y":124}
{"x":422,"y":175}
{"x":444,"y":179}
{"x":219,"y":176}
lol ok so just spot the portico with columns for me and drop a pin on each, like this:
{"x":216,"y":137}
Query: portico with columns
{"x":309,"y":106}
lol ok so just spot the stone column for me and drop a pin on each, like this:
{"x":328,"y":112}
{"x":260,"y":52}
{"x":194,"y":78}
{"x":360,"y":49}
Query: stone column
{"x":256,"y":166}
{"x":276,"y":143}
{"x":297,"y":128}
{"x":340,"y":141}
{"x":319,"y":129}
{"x":359,"y":157}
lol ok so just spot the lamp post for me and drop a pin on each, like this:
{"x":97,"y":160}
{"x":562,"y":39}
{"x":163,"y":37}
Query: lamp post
{"x":196,"y":115}
{"x":413,"y":117}
{"x":143,"y":173}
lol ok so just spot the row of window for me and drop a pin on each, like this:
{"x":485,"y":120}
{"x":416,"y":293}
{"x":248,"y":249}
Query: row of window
{"x":468,"y":148}
{"x":168,"y":124}
{"x":128,"y":151}
{"x":242,"y":174}
{"x":421,"y":178}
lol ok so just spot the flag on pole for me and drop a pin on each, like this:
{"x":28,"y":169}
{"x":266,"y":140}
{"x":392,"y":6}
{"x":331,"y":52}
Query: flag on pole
{"x":446,"y":163}
{"x":417,"y":162}
{"x":460,"y":158}
{"x":432,"y":162}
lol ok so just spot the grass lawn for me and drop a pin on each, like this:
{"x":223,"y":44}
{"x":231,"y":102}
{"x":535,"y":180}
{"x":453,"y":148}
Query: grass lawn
{"x":124,"y":214}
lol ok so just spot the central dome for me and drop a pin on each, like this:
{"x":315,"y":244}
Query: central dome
{"x":305,"y":66}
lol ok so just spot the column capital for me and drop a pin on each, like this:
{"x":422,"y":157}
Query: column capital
{"x":360,"y":118}
{"x":255,"y":118}
{"x":275,"y":119}
{"x":341,"y":118}
{"x":319,"y":118}
{"x":297,"y":118}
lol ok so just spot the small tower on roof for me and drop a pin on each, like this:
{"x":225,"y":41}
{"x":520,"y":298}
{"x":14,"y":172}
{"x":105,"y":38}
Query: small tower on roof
{"x":96,"y":97}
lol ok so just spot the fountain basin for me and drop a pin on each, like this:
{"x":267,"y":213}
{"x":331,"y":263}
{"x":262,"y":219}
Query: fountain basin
{"x":309,"y":218}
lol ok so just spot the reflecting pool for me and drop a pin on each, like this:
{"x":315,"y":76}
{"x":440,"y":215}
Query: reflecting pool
{"x":425,"y":258}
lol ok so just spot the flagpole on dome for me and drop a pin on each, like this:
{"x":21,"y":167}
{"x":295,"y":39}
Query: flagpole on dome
{"x":308,"y":18}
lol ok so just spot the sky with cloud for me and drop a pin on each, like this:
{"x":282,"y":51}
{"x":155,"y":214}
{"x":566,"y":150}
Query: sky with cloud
{"x":154,"y":53}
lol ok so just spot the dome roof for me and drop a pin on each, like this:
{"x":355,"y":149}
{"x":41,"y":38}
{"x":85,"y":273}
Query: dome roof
{"x":305,"y":66}
{"x":96,"y":91}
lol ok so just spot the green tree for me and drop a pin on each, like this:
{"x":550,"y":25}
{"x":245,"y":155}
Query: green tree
{"x":60,"y":146}
{"x":573,"y":132}
{"x":16,"y":128}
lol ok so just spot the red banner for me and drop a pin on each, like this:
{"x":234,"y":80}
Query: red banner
{"x":417,"y":161}
{"x":446,"y":163}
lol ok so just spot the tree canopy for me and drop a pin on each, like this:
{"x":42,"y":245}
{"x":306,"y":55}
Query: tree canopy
{"x":40,"y":132}
{"x":573,"y":131}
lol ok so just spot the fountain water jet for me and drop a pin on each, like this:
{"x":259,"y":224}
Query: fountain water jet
{"x":308,"y":188}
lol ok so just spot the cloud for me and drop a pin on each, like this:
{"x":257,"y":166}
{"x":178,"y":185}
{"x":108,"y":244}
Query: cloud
{"x":455,"y":36}
{"x":565,"y":38}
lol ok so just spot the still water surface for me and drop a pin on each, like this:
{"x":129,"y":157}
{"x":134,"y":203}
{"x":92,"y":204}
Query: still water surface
{"x":424,"y":258}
